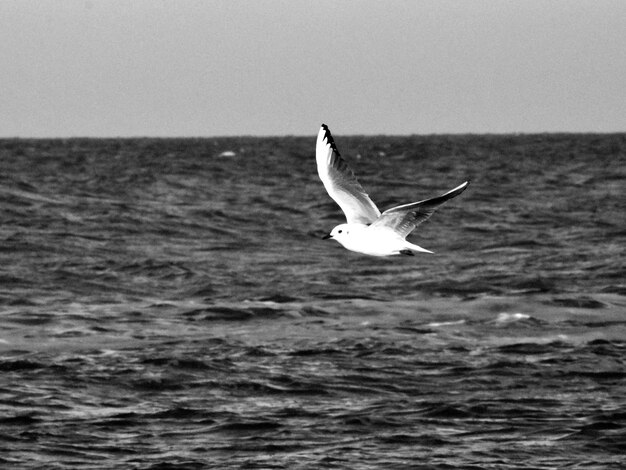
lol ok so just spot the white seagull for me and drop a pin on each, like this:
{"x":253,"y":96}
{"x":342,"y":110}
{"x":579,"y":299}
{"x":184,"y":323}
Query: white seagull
{"x":368,"y":231}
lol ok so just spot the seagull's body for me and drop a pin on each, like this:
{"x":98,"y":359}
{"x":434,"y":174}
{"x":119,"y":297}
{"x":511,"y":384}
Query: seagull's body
{"x":368,"y":231}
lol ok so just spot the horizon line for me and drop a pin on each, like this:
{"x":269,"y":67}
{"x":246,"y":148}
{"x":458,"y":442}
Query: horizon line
{"x":269,"y":136}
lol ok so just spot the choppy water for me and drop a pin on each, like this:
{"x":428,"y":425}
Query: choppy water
{"x":164,"y":307}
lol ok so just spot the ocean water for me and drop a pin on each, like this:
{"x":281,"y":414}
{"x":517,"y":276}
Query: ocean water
{"x":165,"y":307}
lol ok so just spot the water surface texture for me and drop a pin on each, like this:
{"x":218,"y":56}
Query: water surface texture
{"x":162,"y":306}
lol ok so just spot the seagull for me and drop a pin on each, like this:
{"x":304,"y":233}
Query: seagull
{"x":368,"y":231}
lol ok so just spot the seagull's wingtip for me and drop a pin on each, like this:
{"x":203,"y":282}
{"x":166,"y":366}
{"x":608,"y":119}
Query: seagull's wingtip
{"x":325,"y":138}
{"x":461,"y":187}
{"x":324,"y":131}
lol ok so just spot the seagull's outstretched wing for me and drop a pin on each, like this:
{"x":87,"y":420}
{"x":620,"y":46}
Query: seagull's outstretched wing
{"x":403,"y":219}
{"x":340,"y":182}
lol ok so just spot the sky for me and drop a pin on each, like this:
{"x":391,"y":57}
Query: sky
{"x":125,"y":68}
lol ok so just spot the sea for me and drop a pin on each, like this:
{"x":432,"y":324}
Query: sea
{"x":171,"y":304}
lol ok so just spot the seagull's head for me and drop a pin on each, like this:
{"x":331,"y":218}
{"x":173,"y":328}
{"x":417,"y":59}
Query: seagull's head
{"x":339,"y":233}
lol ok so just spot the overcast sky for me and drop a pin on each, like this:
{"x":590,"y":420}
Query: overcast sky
{"x":268,"y":67}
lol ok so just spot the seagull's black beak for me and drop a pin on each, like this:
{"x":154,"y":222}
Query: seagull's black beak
{"x":326,"y":237}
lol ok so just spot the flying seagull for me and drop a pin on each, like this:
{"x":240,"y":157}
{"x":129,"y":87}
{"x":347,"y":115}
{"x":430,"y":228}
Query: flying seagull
{"x":368,"y":231}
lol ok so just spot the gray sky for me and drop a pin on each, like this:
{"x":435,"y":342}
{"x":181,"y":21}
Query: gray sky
{"x":270,"y":67}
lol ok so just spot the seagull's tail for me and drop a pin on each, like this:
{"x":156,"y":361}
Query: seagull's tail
{"x":411,"y":249}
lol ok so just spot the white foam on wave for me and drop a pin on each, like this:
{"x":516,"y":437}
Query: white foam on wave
{"x":505,"y":317}
{"x":445,"y":323}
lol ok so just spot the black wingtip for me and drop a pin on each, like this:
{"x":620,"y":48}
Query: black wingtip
{"x":330,"y":139}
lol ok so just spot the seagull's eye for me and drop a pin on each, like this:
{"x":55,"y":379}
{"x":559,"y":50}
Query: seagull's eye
{"x":339,"y":231}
